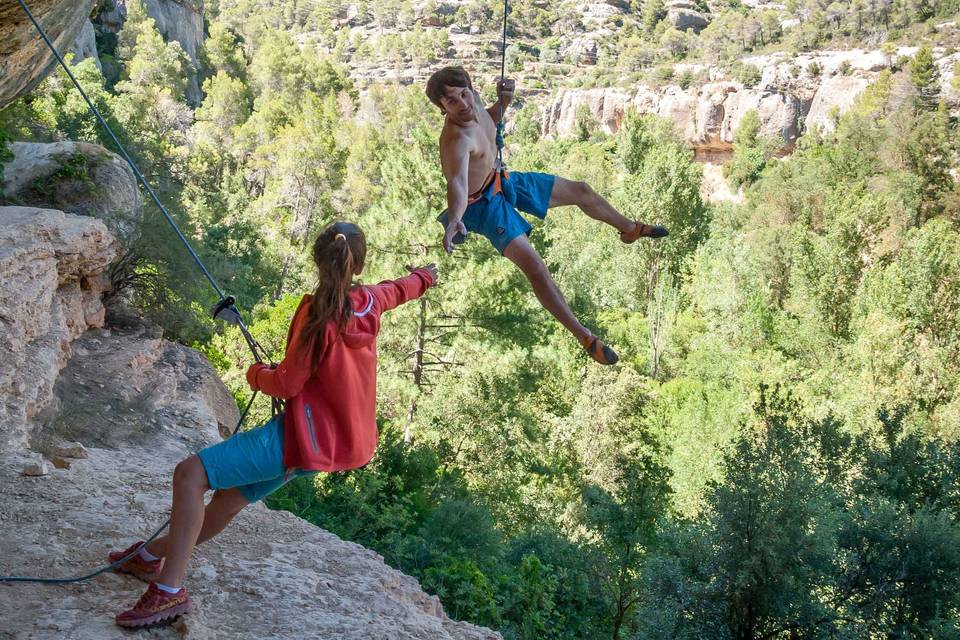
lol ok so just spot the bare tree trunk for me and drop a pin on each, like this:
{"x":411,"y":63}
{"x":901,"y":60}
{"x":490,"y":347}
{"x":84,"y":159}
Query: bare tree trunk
{"x":660,"y":316}
{"x":417,"y":370}
{"x":311,"y":204}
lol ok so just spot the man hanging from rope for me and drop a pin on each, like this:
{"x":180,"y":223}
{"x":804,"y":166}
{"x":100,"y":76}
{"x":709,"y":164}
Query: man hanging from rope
{"x":484,"y":200}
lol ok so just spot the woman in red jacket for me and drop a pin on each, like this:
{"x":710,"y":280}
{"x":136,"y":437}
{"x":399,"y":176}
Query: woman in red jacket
{"x":328,"y":378}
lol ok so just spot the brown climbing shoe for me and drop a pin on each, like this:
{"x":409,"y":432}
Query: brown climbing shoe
{"x":155,"y":606}
{"x":599,"y":351}
{"x":136,"y":566}
{"x":641,"y":230}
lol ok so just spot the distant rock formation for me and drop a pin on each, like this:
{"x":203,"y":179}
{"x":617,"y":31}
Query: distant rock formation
{"x":177,"y":20}
{"x":85,"y":46}
{"x":792,"y":96}
{"x":683,"y":15}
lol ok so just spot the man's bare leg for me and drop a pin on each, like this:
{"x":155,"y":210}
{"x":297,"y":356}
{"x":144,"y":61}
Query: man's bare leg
{"x":223,"y":507}
{"x":568,"y":192}
{"x":522,"y":254}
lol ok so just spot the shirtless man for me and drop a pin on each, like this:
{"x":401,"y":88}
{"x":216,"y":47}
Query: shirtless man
{"x":482,"y":200}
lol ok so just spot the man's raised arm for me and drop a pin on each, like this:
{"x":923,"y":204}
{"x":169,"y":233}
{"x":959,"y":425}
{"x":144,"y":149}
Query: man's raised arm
{"x":505,"y":90}
{"x":455,"y":162}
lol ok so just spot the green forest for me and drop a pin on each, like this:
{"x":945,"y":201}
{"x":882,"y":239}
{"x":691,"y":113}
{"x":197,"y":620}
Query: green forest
{"x":777,"y":454}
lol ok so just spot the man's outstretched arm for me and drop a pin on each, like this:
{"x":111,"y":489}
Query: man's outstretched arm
{"x":455,"y":162}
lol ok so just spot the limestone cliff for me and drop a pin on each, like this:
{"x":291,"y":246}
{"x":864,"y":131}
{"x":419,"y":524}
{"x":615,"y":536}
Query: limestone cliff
{"x":50,"y":283}
{"x":177,"y":20}
{"x":793,"y":95}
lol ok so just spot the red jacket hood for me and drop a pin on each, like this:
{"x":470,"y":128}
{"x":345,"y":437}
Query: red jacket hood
{"x":363,"y":325}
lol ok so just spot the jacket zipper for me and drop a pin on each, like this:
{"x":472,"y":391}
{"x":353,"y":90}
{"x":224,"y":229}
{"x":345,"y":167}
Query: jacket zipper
{"x":311,"y":429}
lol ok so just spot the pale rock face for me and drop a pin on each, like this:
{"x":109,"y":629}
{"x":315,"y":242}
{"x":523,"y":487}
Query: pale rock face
{"x":605,"y":104}
{"x":585,"y":50}
{"x":85,"y":45}
{"x":75,"y":177}
{"x":789,"y":99}
{"x":599,"y":12}
{"x":714,"y":186}
{"x":177,"y":20}
{"x":687,"y":20}
{"x":36,"y":467}
{"x":71,"y":450}
{"x":26,"y":59}
{"x":836,"y":95}
{"x":684,"y":16}
{"x":51,"y":267}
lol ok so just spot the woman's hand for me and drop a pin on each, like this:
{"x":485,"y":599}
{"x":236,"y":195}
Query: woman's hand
{"x":252,"y":372}
{"x":431,"y":268}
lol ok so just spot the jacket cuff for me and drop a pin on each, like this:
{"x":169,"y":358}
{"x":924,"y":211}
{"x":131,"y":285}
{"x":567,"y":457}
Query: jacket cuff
{"x":252,"y":373}
{"x":427,"y":274}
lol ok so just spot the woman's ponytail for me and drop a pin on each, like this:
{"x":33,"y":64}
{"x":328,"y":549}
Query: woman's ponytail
{"x":339,"y":253}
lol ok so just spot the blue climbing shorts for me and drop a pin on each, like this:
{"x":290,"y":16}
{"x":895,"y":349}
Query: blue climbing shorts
{"x":251,"y":461}
{"x":495,"y":217}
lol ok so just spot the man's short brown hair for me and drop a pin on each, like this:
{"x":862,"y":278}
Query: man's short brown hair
{"x":446,"y":77}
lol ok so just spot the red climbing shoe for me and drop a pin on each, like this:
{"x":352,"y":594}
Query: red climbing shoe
{"x":599,"y":351}
{"x":155,"y":606}
{"x":135,"y":566}
{"x":641,"y":230}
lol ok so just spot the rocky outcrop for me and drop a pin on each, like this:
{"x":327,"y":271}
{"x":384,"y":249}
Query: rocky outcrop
{"x":140,"y":404}
{"x":683,"y":15}
{"x":598,"y":13}
{"x":51,"y":278}
{"x":793,"y":95}
{"x":26,"y":59}
{"x":583,"y":50}
{"x":177,"y":20}
{"x":85,"y":46}
{"x":75,"y":177}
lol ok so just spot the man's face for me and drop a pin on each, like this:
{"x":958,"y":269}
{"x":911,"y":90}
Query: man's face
{"x":457,"y":103}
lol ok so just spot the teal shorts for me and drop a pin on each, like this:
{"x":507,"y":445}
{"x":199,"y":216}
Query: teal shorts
{"x":251,"y":461}
{"x":495,"y":216}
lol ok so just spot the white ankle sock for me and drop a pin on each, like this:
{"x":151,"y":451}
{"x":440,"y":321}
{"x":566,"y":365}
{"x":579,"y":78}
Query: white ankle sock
{"x":146,"y":555}
{"x":164,"y":587}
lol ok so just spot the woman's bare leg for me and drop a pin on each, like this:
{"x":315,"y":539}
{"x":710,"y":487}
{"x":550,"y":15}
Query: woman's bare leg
{"x":222,"y":508}
{"x":186,"y":519}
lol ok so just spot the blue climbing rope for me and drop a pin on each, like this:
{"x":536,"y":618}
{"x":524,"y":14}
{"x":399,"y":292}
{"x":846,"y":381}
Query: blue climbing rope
{"x":503,"y":69}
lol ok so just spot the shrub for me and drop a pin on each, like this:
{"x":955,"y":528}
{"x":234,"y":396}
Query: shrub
{"x":748,"y":74}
